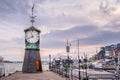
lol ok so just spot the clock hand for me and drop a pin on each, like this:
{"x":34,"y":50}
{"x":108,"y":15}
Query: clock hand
{"x":30,"y":37}
{"x":32,"y":33}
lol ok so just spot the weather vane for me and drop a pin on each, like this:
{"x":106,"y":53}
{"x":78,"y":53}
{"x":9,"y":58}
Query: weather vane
{"x":32,"y":17}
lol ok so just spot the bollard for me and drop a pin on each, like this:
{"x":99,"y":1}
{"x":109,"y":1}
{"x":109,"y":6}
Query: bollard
{"x":59,"y":72}
{"x":63,"y":72}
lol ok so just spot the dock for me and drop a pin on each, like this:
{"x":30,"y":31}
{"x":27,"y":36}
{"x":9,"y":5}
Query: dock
{"x":90,"y":74}
{"x":47,"y":75}
{"x":94,"y":74}
{"x":57,"y":75}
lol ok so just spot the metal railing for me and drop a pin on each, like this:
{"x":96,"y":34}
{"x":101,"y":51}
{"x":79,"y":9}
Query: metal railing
{"x":73,"y":74}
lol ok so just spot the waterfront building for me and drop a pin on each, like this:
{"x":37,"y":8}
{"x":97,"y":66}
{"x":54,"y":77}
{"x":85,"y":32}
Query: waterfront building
{"x":116,"y":50}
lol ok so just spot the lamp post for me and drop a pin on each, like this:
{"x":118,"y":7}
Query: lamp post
{"x":68,"y":49}
{"x":68,"y":59}
{"x":50,"y":62}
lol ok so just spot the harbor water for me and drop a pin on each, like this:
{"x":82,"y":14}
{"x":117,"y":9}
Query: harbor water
{"x":13,"y":67}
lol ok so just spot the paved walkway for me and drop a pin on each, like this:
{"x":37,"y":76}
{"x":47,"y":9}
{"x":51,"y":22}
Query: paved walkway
{"x":34,"y":76}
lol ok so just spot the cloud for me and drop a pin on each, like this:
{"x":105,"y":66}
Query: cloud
{"x":108,"y":6}
{"x":102,"y":37}
{"x":58,"y":38}
{"x":113,"y":25}
{"x":58,"y":20}
{"x":88,"y":35}
{"x":14,"y":7}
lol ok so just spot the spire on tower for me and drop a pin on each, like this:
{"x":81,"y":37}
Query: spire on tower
{"x":32,"y":17}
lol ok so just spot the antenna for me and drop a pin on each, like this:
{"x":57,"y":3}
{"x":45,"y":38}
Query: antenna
{"x":32,"y":17}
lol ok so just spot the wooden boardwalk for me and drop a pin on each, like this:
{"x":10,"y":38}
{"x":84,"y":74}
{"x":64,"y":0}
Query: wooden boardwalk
{"x":34,"y":76}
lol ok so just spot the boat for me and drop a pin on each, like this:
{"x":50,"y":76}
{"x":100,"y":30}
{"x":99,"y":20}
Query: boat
{"x":2,"y":67}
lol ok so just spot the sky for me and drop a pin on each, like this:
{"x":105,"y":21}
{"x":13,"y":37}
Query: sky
{"x":95,"y":23}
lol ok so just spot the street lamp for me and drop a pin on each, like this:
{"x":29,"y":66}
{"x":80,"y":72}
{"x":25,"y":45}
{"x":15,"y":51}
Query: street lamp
{"x":68,"y":49}
{"x":68,"y":58}
{"x":49,"y":62}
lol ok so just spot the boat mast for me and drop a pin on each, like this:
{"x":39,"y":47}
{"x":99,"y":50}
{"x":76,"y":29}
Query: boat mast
{"x":79,"y":62}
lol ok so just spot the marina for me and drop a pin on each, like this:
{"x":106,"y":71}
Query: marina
{"x":64,"y":40}
{"x":91,"y":74}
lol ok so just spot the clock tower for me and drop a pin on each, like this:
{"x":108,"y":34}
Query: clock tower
{"x":32,"y":59}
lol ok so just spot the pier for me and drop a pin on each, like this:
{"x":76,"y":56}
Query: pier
{"x":60,"y":74}
{"x":47,"y":75}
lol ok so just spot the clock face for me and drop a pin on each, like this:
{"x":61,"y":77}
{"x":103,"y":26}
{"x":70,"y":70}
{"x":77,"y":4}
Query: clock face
{"x":32,"y":36}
